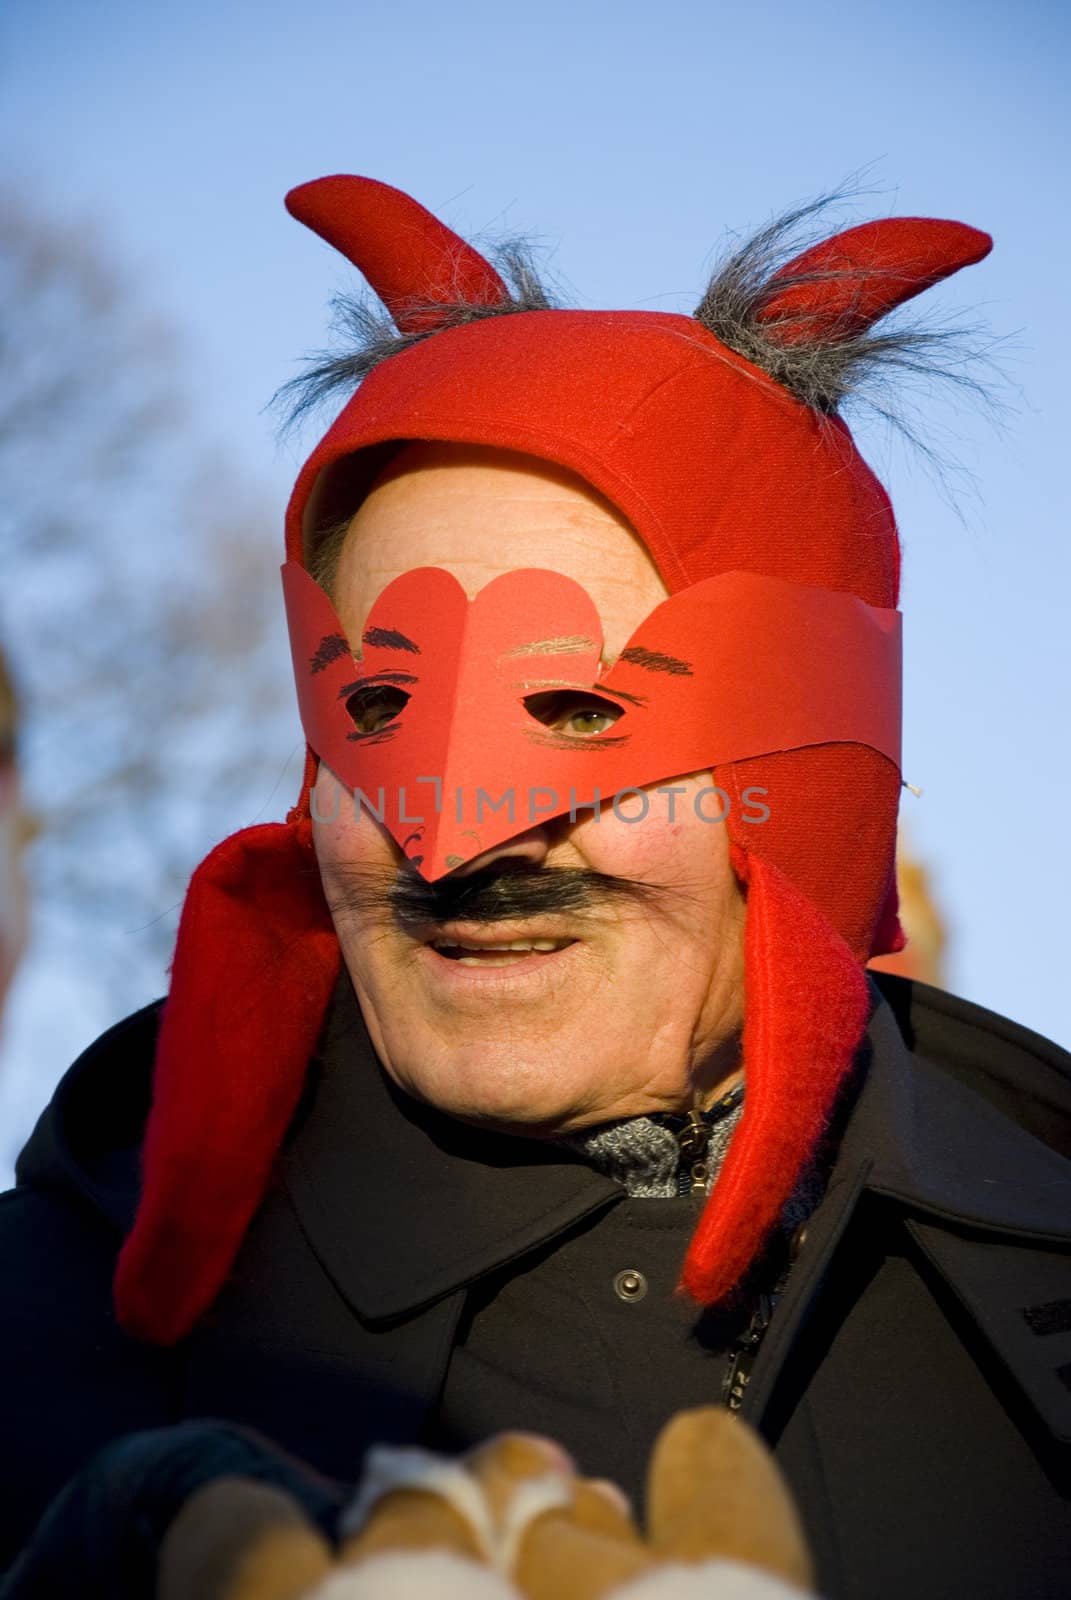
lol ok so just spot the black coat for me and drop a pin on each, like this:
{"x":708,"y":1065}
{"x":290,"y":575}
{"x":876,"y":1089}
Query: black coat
{"x":412,"y":1279}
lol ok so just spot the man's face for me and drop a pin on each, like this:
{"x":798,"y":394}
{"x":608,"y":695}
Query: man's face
{"x":637,"y":1006}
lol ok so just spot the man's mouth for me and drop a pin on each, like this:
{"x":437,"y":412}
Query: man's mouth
{"x":489,"y":952}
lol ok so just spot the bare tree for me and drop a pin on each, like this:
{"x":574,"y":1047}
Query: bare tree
{"x":139,"y":606}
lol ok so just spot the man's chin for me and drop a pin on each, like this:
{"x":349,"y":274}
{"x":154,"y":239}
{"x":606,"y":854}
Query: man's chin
{"x":511,"y":1100}
{"x":523,"y":1059}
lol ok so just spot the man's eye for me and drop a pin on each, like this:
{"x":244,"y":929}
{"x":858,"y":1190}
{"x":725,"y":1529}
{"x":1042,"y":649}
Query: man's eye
{"x":374,"y":706}
{"x":587,"y":720}
{"x":570,"y":711}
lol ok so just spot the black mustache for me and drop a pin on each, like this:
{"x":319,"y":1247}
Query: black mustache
{"x":509,"y":891}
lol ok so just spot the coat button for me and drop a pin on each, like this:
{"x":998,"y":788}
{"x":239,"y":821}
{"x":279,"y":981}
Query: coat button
{"x":630,"y":1284}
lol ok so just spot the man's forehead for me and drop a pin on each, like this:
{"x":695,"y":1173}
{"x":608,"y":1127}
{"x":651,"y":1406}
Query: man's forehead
{"x":478,"y":515}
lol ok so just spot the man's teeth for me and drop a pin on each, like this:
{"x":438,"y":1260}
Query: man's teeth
{"x":471,"y":954}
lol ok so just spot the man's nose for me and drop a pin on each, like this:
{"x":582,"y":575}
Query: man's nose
{"x":531,"y":846}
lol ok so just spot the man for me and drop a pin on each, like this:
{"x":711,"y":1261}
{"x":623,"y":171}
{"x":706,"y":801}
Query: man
{"x":595,"y":639}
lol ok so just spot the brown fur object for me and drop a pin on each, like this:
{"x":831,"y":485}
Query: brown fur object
{"x":511,"y":1519}
{"x":242,"y":1540}
{"x":715,"y":1489}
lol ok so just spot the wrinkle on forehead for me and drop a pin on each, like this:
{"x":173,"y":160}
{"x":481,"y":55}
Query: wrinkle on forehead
{"x":479,"y":512}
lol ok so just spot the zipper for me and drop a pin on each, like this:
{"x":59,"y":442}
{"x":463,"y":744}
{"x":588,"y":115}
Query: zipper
{"x":692,"y":1141}
{"x":692,"y":1134}
{"x":742,"y":1355}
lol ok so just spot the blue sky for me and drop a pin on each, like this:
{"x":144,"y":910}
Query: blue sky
{"x":626,"y":138}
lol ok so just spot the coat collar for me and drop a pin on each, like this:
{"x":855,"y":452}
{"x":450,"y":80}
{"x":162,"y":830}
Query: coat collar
{"x":944,"y":1150}
{"x":449,"y":1203}
{"x":987,"y":1203}
{"x":452,"y":1203}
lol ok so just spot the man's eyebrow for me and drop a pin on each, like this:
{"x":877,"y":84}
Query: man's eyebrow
{"x":655,"y":661}
{"x":330,"y":648}
{"x":389,"y":639}
{"x":597,"y":691}
{"x":619,"y":694}
{"x":377,"y":677}
{"x":565,"y":645}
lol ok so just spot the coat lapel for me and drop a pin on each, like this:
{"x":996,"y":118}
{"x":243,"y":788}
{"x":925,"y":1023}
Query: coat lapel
{"x":404,"y":1205}
{"x":987,"y":1203}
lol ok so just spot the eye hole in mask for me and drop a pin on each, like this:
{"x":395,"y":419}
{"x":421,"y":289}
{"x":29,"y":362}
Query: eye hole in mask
{"x":574,"y":712}
{"x":374,"y":706}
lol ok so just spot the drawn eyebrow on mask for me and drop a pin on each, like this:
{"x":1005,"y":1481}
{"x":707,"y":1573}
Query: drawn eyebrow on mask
{"x":389,"y":639}
{"x":567,"y":645}
{"x":329,"y":649}
{"x":654,"y":661}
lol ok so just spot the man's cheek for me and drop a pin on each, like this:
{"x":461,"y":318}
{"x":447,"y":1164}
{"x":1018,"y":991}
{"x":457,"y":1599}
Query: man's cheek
{"x":663,"y":834}
{"x":342,"y":830}
{"x":328,"y":811}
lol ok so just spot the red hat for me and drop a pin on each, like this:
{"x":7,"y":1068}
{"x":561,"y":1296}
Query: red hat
{"x":719,"y":467}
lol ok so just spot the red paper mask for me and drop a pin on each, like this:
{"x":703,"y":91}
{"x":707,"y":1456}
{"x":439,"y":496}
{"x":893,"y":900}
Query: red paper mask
{"x":456,"y":724}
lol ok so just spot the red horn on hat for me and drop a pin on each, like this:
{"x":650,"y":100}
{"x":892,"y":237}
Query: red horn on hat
{"x":837,"y":288}
{"x":413,"y":261}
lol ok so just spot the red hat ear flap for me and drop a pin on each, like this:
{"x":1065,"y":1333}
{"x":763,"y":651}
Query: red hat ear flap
{"x":889,"y":936}
{"x":411,"y":259}
{"x":302,"y":812}
{"x":806,"y":1008}
{"x":838,"y":288}
{"x":255,"y":965}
